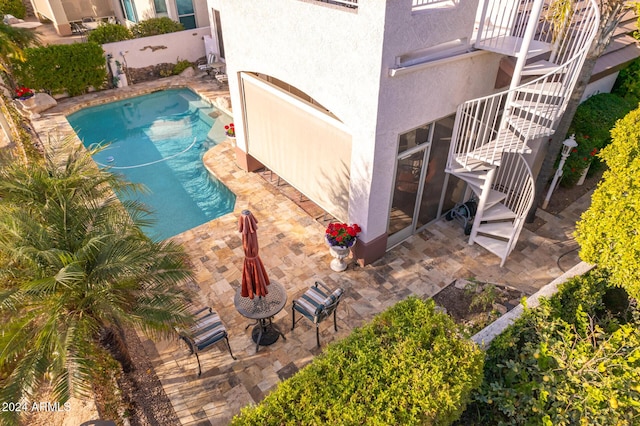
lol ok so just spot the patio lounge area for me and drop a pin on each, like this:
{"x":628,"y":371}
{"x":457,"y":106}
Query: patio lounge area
{"x":294,"y":252}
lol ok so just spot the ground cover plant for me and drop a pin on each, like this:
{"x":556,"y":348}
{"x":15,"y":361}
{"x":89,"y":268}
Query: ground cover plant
{"x":409,"y":366}
{"x":574,"y":360}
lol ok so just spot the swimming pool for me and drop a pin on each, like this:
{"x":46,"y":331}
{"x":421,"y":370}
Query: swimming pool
{"x":158,"y":140}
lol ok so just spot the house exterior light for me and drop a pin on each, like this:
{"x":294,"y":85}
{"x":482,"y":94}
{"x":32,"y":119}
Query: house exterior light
{"x":567,"y":146}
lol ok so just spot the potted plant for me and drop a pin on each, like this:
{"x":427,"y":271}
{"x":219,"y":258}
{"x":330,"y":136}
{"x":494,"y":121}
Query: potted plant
{"x":23,"y":93}
{"x":341,"y":237}
{"x":230,"y":131}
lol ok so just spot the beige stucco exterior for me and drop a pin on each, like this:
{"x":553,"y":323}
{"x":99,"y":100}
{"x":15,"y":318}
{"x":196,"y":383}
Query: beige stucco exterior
{"x":342,"y":58}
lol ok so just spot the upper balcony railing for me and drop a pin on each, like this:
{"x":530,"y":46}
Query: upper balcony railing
{"x":417,"y":4}
{"x":352,"y":4}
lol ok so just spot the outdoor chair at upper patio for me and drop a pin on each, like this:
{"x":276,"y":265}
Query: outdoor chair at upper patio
{"x":207,"y":330}
{"x":211,"y":65}
{"x":316,"y":304}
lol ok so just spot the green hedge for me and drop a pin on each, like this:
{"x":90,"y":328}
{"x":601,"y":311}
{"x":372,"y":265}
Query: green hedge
{"x":573,"y":360}
{"x":409,"y":366}
{"x":592,"y":125}
{"x":156,"y":26}
{"x":109,"y":33}
{"x":13,"y":7}
{"x":71,"y":68}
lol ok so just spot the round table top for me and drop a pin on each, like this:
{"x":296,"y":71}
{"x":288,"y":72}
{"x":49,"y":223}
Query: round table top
{"x":262,"y":307}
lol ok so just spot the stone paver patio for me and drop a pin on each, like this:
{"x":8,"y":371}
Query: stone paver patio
{"x":293,"y":250}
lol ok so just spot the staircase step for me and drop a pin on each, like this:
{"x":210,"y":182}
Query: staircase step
{"x":464,"y":173}
{"x":498,"y":212}
{"x":543,"y":109}
{"x":528,"y":129}
{"x":494,"y":198}
{"x":495,"y":246}
{"x":468,"y":164}
{"x":510,"y":45}
{"x":539,"y":68}
{"x":543,"y":88}
{"x":497,"y":229}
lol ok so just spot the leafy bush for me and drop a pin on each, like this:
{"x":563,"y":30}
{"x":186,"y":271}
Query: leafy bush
{"x":181,"y":66}
{"x":558,"y":366}
{"x":71,"y":68}
{"x":608,"y":230}
{"x":592,"y":125}
{"x":156,"y":26}
{"x":13,"y":7}
{"x":110,"y":33}
{"x":627,"y":84}
{"x":408,"y":366}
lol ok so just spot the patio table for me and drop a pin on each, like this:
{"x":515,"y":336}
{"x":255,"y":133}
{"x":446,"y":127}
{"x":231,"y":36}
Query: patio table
{"x":262,"y":310}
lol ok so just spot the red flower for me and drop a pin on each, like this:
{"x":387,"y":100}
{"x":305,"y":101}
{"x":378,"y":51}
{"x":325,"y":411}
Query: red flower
{"x":230,"y":130}
{"x":341,"y":234}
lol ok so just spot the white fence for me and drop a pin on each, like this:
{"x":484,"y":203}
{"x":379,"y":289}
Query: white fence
{"x":147,"y":51}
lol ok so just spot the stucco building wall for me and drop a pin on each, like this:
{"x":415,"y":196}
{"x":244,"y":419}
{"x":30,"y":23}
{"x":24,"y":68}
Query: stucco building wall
{"x":342,"y":58}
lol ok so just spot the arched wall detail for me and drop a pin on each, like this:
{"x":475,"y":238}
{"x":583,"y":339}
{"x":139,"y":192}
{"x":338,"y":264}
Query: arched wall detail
{"x":299,"y":140}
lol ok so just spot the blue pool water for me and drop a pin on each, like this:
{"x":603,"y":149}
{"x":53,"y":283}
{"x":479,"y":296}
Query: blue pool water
{"x":158,"y":140}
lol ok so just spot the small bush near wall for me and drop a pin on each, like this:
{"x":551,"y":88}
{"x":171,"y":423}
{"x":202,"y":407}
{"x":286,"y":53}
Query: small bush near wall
{"x":574,"y":360}
{"x":409,"y":366}
{"x":156,"y":26}
{"x":71,"y":68}
{"x":13,"y":7}
{"x":110,"y":33}
{"x":592,"y":124}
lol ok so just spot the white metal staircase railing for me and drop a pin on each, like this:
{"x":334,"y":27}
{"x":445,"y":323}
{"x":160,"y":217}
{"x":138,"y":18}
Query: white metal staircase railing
{"x":550,"y":44}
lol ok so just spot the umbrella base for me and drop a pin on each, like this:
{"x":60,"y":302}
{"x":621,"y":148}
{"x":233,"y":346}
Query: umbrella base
{"x":265,"y":334}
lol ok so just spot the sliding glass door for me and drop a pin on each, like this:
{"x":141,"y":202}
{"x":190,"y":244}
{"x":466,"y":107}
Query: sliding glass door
{"x":422,"y":191}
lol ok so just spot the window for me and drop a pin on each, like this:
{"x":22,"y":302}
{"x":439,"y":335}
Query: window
{"x":186,"y":14}
{"x":129,"y":10}
{"x":160,"y":6}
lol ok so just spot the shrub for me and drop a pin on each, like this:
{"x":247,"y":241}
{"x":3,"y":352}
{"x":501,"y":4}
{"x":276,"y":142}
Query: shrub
{"x":156,"y":26}
{"x":181,"y":66}
{"x":592,"y":125}
{"x":556,"y":365}
{"x":608,"y":230}
{"x":408,"y":366}
{"x":110,"y":33}
{"x":13,"y":7}
{"x":71,"y":68}
{"x":627,"y":84}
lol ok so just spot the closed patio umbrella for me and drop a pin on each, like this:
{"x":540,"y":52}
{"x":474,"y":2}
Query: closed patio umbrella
{"x":254,"y":276}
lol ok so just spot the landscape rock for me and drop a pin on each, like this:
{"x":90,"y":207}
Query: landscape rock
{"x":499,"y":308}
{"x":188,"y":72}
{"x":462,"y":284}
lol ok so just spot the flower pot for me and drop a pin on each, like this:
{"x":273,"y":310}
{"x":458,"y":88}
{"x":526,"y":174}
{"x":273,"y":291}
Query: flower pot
{"x":339,"y":254}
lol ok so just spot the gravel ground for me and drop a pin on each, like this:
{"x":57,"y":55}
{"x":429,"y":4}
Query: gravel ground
{"x":142,"y":391}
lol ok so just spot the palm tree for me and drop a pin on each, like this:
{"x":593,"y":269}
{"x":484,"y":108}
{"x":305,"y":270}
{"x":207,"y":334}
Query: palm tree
{"x":77,"y":269}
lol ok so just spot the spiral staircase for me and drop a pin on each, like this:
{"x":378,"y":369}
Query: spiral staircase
{"x":549,"y":40}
